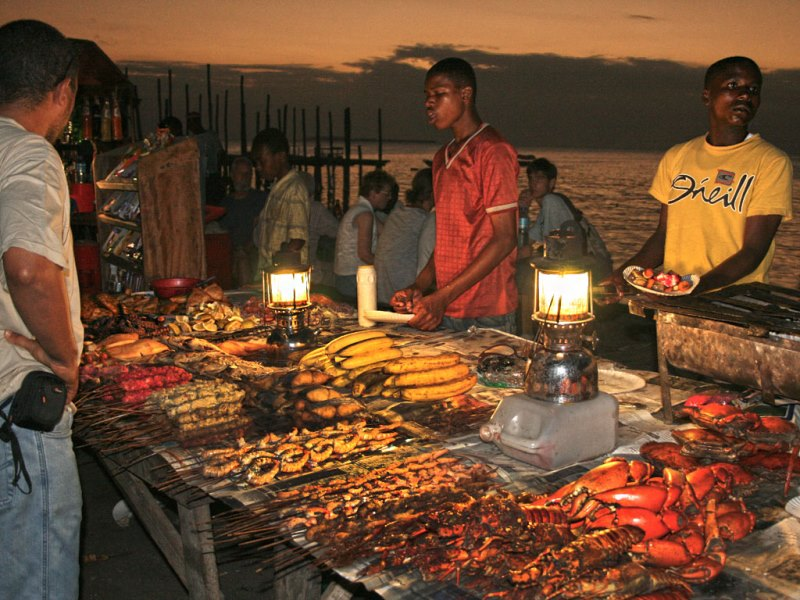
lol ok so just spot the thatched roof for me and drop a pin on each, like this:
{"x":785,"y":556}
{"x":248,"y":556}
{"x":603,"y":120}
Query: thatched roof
{"x":97,"y":70}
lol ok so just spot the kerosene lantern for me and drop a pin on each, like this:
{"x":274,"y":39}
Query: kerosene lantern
{"x":561,"y":418}
{"x":287,"y":292}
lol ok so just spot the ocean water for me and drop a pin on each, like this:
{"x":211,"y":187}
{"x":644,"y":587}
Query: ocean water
{"x":610,"y":187}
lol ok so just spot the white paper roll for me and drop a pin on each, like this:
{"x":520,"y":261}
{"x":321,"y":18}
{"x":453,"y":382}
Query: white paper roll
{"x":384,"y":316}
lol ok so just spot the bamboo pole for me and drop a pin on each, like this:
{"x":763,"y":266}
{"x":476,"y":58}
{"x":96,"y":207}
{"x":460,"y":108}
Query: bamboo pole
{"x":346,"y":165}
{"x":158,"y":99}
{"x":208,"y":94}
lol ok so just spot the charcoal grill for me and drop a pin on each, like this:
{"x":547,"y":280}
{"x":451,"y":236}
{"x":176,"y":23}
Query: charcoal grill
{"x":746,"y":335}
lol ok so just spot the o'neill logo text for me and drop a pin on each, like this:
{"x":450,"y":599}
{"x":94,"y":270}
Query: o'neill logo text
{"x":730,"y":195}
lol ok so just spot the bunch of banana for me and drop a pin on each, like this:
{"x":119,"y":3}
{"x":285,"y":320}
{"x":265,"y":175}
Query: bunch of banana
{"x":417,"y":378}
{"x":347,"y":356}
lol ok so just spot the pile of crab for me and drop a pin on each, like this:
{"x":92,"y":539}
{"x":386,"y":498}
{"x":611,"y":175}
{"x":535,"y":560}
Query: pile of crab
{"x":724,"y":432}
{"x":641,"y":532}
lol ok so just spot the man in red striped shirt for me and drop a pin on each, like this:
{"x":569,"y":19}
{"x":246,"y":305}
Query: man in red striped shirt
{"x":475,"y":186}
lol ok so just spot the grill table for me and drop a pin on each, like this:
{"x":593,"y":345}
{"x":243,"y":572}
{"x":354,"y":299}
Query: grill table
{"x":747,"y":335}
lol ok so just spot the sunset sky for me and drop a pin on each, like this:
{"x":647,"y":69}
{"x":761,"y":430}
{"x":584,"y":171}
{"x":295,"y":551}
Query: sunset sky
{"x":533,"y":57}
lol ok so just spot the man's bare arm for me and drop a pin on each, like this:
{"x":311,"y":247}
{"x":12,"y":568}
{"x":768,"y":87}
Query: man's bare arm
{"x":39,"y":294}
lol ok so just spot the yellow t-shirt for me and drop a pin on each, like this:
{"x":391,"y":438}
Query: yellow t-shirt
{"x":710,"y":191}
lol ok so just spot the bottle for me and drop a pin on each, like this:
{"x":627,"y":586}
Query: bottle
{"x":116,"y":121}
{"x":86,"y":115}
{"x":97,"y":117}
{"x":522,"y":235}
{"x":105,"y":122}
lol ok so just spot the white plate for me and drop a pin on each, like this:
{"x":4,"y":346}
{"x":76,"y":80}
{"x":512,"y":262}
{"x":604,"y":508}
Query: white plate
{"x":612,"y":381}
{"x":793,"y":506}
{"x":628,"y":275}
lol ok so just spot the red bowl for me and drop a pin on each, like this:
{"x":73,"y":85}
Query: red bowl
{"x":173,"y":286}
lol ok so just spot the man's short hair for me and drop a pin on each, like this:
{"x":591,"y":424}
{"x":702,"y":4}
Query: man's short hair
{"x":542,"y":165}
{"x":241,"y":160}
{"x":272,"y":139}
{"x":375,"y":181}
{"x":724,"y":64}
{"x":36,"y":57}
{"x":457,"y":70}
{"x":421,"y":187}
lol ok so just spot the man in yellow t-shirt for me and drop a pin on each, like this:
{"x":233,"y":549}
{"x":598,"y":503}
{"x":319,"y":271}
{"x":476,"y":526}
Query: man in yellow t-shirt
{"x":723,"y":195}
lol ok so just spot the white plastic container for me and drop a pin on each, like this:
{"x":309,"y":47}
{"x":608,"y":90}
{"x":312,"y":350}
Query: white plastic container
{"x":550,"y":435}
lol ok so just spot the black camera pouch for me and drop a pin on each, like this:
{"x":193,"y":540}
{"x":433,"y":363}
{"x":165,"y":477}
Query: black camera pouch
{"x":38,"y":405}
{"x":39,"y":402}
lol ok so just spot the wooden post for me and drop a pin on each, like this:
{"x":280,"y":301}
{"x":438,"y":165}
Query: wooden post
{"x":216,"y":116}
{"x":186,"y":102}
{"x":158,"y":99}
{"x":208,"y":94}
{"x":346,"y":165}
{"x":285,"y":117}
{"x":243,"y":120}
{"x":331,"y":167}
{"x":360,"y":165}
{"x":317,"y":158}
{"x":266,"y":114}
{"x":380,"y":139}
{"x":294,"y":130}
{"x":305,"y":147}
{"x":169,"y":91}
{"x":225,"y":121}
{"x":200,"y":107}
{"x":138,"y":128}
{"x":258,"y":121}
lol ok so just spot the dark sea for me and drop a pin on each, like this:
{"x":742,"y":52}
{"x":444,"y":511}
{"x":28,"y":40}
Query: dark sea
{"x":609,"y":186}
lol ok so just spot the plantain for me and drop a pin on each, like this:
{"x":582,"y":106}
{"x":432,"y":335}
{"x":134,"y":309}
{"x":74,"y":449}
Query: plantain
{"x":320,"y":394}
{"x":439,"y":391}
{"x":363,"y":360}
{"x":366,"y":379}
{"x":341,"y":381}
{"x":432,"y":377}
{"x":422,"y":363}
{"x":367,"y":346}
{"x":341,"y":342}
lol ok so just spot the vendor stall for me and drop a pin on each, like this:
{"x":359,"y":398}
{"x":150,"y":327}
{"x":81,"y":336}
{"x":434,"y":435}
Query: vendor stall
{"x":359,"y":452}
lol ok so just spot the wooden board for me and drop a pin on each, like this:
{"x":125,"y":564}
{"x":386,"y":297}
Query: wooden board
{"x":172,"y":218}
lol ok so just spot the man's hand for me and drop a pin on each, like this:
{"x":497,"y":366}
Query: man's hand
{"x":404,"y":301}
{"x":69,"y":373}
{"x":429,"y":311}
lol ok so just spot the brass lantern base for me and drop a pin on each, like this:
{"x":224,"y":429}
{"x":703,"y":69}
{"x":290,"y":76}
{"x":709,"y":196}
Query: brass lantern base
{"x":291,"y":330}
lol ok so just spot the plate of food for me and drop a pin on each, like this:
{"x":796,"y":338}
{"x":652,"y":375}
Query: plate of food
{"x":661,"y":283}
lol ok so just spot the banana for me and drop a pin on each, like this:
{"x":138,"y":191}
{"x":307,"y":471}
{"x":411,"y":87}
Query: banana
{"x":311,"y":359}
{"x":440,"y":391}
{"x":341,"y":381}
{"x":432,"y":376}
{"x":422,"y":363}
{"x":341,"y":342}
{"x":363,"y":360}
{"x":367,"y":346}
{"x":356,"y":373}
